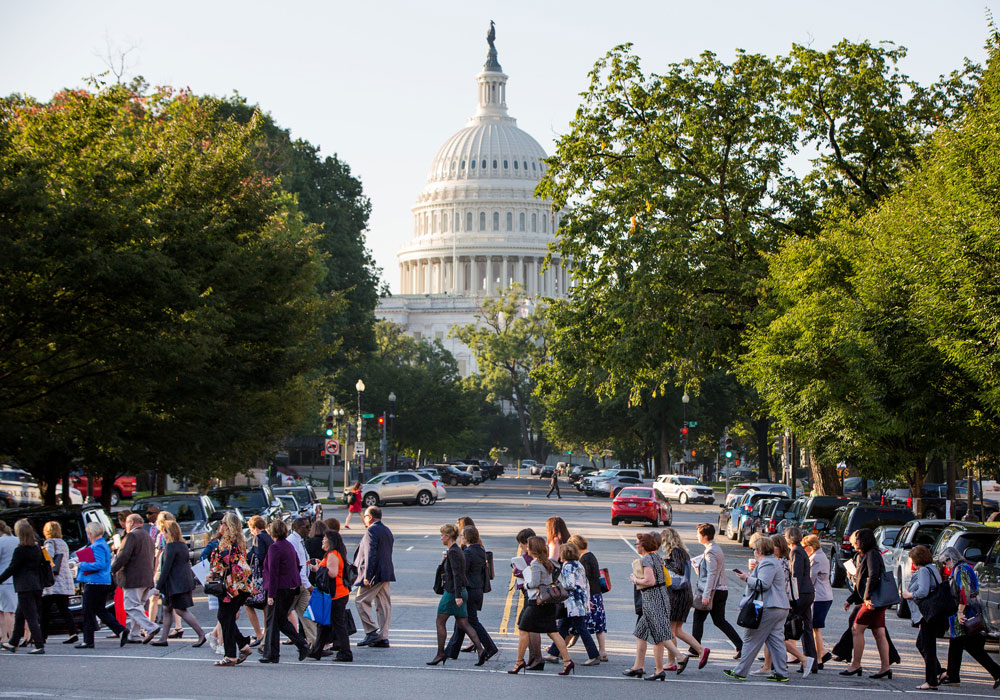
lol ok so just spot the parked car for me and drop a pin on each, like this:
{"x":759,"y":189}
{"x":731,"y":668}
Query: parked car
{"x":641,"y":503}
{"x":546,"y":471}
{"x":850,"y":517}
{"x":532,"y":466}
{"x":852,"y":488}
{"x":309,"y":506}
{"x":18,"y":489}
{"x":192,"y":511}
{"x":440,"y":493}
{"x":289,"y":508}
{"x":491,"y":470}
{"x":683,"y":489}
{"x":810,"y":510}
{"x":612,"y":485}
{"x":400,"y":487}
{"x":586,"y":484}
{"x":897,"y":558}
{"x":453,"y":476}
{"x":250,"y":500}
{"x":885,"y":536}
{"x":123,"y":487}
{"x":579,"y":471}
{"x":755,"y":520}
{"x":973,"y":540}
{"x":771,"y":515}
{"x":988,"y":571}
{"x":741,"y":510}
{"x":935,"y":497}
{"x":478,"y":476}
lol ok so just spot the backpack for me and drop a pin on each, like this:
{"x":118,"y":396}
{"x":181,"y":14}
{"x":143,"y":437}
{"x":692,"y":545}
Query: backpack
{"x":349,"y":575}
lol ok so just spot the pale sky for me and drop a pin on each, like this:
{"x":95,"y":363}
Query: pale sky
{"x":383,"y":84}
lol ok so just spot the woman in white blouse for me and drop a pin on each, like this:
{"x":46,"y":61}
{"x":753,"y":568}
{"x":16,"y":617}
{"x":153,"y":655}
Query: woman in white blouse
{"x":820,"y":574}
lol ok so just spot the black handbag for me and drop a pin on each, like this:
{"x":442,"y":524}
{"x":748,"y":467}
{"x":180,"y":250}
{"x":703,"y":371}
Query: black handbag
{"x":45,"y":575}
{"x":974,"y":623}
{"x":488,"y":573}
{"x":794,"y":626}
{"x":216,"y":588}
{"x":751,"y":612}
{"x":439,"y":579}
{"x":886,"y":593}
{"x":939,"y":603}
{"x":352,"y":628}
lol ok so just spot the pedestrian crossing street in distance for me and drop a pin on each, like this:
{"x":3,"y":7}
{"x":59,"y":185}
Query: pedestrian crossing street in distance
{"x":500,"y":508}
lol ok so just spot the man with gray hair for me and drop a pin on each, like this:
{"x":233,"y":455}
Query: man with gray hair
{"x":133,"y":572}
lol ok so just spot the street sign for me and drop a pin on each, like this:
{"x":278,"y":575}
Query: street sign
{"x":332,"y":447}
{"x":359,"y":449}
{"x":842,"y":471}
{"x":367,"y":415}
{"x":692,"y":424}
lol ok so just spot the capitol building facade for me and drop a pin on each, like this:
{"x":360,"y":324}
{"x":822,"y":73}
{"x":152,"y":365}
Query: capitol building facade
{"x":477,"y":226}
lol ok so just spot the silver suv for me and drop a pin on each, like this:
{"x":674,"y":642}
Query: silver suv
{"x":403,"y":487}
{"x":683,"y":489}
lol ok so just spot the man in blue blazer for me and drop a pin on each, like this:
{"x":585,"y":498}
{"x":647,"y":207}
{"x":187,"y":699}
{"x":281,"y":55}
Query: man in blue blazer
{"x":374,"y":563}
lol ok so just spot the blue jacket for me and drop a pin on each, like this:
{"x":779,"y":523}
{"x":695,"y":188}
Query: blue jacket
{"x":99,"y":570}
{"x":374,"y":555}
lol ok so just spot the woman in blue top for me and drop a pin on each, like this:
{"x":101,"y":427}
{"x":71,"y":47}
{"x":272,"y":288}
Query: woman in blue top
{"x":96,"y":577}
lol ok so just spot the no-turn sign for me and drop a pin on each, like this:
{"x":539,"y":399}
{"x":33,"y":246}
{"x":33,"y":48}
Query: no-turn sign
{"x":331,"y":447}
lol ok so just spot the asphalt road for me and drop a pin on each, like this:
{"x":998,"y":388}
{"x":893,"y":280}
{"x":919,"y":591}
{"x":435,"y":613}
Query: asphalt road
{"x":500,"y":508}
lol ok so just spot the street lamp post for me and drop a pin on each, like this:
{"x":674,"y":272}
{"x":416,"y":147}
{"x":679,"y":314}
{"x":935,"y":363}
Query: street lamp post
{"x":360,"y":386}
{"x":685,"y":399}
{"x":338,"y":415}
{"x":392,"y":422}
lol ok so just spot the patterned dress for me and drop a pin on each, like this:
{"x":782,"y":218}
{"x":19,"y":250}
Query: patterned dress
{"x":654,"y":623}
{"x":681,"y":600}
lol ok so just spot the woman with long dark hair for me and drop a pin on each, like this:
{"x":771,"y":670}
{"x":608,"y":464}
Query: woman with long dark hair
{"x":537,"y":618}
{"x":328,"y":576}
{"x":535,"y":662}
{"x":868,"y":615}
{"x":24,"y":568}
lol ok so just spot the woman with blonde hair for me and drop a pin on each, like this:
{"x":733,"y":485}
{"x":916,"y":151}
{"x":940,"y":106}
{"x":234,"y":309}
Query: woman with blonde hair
{"x":256,"y":551}
{"x":229,"y":566}
{"x":24,"y":568}
{"x":819,"y":572}
{"x":57,"y":595}
{"x":678,"y":562}
{"x":159,"y":544}
{"x":454,"y":599}
{"x":596,"y":619}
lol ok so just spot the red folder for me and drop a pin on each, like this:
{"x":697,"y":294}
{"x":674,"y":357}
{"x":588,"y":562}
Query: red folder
{"x":86,"y":554}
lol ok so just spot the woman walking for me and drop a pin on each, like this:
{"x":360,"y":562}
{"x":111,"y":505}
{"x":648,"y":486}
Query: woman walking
{"x":354,"y":505}
{"x":454,"y":599}
{"x":678,"y":562}
{"x":768,"y":580}
{"x":574,"y":578}
{"x":175,"y":585}
{"x":256,"y":551}
{"x":25,"y":566}
{"x":313,"y":544}
{"x":281,"y":582}
{"x":539,"y":618}
{"x":229,"y":566}
{"x":819,"y":572}
{"x":923,"y":582}
{"x":596,"y":619}
{"x":653,"y":625}
{"x":328,"y":576}
{"x":713,"y":590}
{"x":535,"y":662}
{"x":556,"y":535}
{"x":868,"y":616}
{"x":96,"y":577}
{"x":8,"y":596}
{"x":57,"y":595}
{"x":476,"y":577}
{"x":964,"y":586}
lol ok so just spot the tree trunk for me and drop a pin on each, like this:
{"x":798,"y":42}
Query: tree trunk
{"x":825,"y":479}
{"x":760,"y":428}
{"x":951,"y":474}
{"x":915,"y":478}
{"x":108,"y":476}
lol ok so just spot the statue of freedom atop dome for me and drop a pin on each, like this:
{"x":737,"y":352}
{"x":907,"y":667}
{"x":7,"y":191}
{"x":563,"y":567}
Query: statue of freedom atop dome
{"x":492,"y":64}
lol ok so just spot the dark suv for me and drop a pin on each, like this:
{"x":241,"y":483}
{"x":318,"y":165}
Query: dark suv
{"x":452,"y":475}
{"x":848,"y":518}
{"x":812,"y":510}
{"x":309,"y":506}
{"x":249,"y":500}
{"x":193,"y":513}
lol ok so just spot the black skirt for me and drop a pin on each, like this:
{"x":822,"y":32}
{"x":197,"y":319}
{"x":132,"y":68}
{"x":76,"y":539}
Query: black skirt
{"x":179,"y":601}
{"x":537,"y":618}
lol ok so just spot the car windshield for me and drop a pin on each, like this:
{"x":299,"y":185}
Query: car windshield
{"x":824,"y":511}
{"x":606,"y":473}
{"x":239,"y":499}
{"x":377,"y":479}
{"x":301,"y":495}
{"x":288,"y":501}
{"x":636,"y":493}
{"x":184,"y":511}
{"x":689,"y":480}
{"x":15,"y":475}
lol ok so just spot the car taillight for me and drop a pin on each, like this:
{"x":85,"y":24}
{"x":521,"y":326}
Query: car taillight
{"x":909,"y":501}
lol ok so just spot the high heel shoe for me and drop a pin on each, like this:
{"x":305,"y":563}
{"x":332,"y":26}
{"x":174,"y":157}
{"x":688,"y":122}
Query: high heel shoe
{"x":849,"y":672}
{"x":683,"y":665}
{"x":483,"y":656}
{"x":518,"y":667}
{"x":634,"y":673}
{"x":439,"y":659}
{"x":887,"y":674}
{"x":540,"y":666}
{"x":200,"y":642}
{"x":661,"y":676}
{"x":568,"y":667}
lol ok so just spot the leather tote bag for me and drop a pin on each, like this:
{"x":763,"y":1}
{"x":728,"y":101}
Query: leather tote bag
{"x":886,"y":593}
{"x":753,"y":610}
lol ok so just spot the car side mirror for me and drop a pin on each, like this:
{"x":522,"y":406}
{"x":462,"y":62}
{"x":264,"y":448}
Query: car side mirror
{"x":216,"y":516}
{"x":973,"y":553}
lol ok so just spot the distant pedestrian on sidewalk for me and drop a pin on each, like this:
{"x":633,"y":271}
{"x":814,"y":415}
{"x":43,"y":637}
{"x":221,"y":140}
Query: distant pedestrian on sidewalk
{"x":554,"y":485}
{"x":353,"y":500}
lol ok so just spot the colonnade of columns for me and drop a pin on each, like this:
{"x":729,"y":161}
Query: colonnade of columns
{"x":484,"y":275}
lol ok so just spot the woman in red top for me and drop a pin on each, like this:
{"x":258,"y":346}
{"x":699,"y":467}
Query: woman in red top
{"x":327,"y":575}
{"x":355,"y":505}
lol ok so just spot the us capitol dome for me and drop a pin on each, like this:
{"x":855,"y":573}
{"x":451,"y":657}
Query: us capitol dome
{"x":477,"y":226}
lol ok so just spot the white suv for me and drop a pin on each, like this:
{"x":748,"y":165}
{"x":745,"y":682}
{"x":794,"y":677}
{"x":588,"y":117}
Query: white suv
{"x":683,"y":489}
{"x":405,"y":487}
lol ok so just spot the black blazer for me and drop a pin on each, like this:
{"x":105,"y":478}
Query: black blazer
{"x":870,"y":570}
{"x":453,"y":577}
{"x":25,"y":562}
{"x":175,"y":570}
{"x":314,"y":547}
{"x":475,"y":567}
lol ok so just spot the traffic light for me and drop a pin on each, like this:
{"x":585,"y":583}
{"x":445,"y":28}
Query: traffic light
{"x":729,"y":447}
{"x":381,"y":421}
{"x":737,"y":461}
{"x":694,"y":453}
{"x":328,"y":426}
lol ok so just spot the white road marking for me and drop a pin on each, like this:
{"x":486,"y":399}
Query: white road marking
{"x":630,"y":545}
{"x":409,"y":548}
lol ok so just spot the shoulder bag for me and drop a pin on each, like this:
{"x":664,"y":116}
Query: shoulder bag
{"x":45,"y":575}
{"x":488,"y":573}
{"x":974,"y":623}
{"x":679,"y":583}
{"x":939,"y":603}
{"x":753,"y":610}
{"x":886,"y":593}
{"x":216,"y":588}
{"x":439,"y":579}
{"x":551,"y":593}
{"x":605,"y":580}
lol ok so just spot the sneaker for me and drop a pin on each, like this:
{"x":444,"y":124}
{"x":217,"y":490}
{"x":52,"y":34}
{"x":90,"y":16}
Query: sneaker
{"x":808,"y":667}
{"x":777,"y":678}
{"x":728,"y":673}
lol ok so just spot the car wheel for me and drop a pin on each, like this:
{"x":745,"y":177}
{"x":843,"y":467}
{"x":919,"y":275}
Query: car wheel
{"x":683,"y":499}
{"x":931,"y":514}
{"x":370,"y":499}
{"x":453,"y":482}
{"x":116,"y":496}
{"x":615,"y":521}
{"x":424,"y":498}
{"x":656,"y":522}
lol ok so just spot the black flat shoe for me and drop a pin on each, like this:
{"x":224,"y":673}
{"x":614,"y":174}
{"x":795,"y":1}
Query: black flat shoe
{"x":267,"y":660}
{"x":883,"y":674}
{"x":72,"y":640}
{"x":303,"y":653}
{"x":634,"y":673}
{"x":83,"y":645}
{"x":159,"y":644}
{"x":199,"y":643}
{"x":661,"y":676}
{"x":37,"y":650}
{"x":849,"y":672}
{"x":826,"y":657}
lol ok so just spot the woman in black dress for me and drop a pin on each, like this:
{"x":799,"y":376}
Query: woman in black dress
{"x":175,"y":585}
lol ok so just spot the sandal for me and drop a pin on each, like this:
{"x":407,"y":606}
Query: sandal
{"x":926,"y":687}
{"x":225,"y":662}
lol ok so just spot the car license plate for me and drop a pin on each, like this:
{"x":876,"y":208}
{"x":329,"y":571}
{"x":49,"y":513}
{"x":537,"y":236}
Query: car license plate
{"x":630,"y":505}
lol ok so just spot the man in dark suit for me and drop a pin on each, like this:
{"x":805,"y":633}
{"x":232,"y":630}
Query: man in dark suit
{"x":133,"y":572}
{"x":374,"y":563}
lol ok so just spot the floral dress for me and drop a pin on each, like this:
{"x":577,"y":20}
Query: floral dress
{"x":654,"y":623}
{"x":574,"y":578}
{"x":229,"y":563}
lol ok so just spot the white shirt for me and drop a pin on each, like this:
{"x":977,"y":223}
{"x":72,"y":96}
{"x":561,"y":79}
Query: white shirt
{"x":300,"y":552}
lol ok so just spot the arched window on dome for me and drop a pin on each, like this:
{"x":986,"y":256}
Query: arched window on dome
{"x":525,"y":166}
{"x":434,"y":222}
{"x":468,"y":221}
{"x":496,"y":221}
{"x":463,"y":165}
{"x":545,"y":224}
{"x":534,"y":223}
{"x":458,"y":222}
{"x":484,"y":164}
{"x":494,"y":163}
{"x":515,"y":165}
{"x":444,"y":223}
{"x":482,"y":221}
{"x":532,"y":165}
{"x":505,"y":165}
{"x":521,"y":215}
{"x":510,"y":221}
{"x":472,"y":165}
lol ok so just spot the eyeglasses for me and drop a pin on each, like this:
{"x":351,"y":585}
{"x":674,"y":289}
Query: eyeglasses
{"x":150,"y":512}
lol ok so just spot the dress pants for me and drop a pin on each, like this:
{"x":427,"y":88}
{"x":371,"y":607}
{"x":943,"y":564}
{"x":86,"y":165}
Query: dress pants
{"x":770,"y":632}
{"x":61,"y":604}
{"x":336,"y":631}
{"x":473,"y":605}
{"x":135,"y":610}
{"x":718,"y":613}
{"x":95,"y":598}
{"x":28,"y":606}
{"x":927,"y":646}
{"x":804,"y":609}
{"x":975,"y":645}
{"x":299,"y":605}
{"x":232,"y":639}
{"x":578,"y":626}
{"x":554,"y":487}
{"x":379,"y":595}
{"x":278,"y":623}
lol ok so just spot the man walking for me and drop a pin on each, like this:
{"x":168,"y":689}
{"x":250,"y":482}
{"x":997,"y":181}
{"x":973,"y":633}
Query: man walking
{"x":714,"y":593}
{"x":803,"y":594}
{"x":133,"y":572}
{"x":300,"y":530}
{"x":152,"y":512}
{"x":554,"y":485}
{"x":374,"y":563}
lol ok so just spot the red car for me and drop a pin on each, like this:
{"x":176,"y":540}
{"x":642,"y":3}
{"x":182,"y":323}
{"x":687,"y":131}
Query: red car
{"x":124,"y":487}
{"x":641,"y":503}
